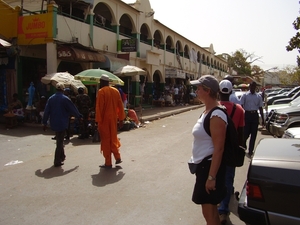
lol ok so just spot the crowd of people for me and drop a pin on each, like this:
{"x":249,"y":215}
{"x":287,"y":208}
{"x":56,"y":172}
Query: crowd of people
{"x":108,"y":115}
{"x":214,"y":179}
{"x":176,"y":94}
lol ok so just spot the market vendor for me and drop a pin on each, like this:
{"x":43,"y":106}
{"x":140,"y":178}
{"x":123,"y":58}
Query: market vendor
{"x":133,"y":117}
{"x":15,"y":104}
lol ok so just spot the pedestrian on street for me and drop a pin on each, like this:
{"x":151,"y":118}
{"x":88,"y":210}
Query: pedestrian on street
{"x":232,"y":98}
{"x":83,"y":103}
{"x":207,"y":151}
{"x":109,"y":112}
{"x":176,"y":94}
{"x":251,"y":102}
{"x":238,"y":120}
{"x":59,"y":108}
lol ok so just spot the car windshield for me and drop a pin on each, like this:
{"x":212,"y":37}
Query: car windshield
{"x":296,"y":101}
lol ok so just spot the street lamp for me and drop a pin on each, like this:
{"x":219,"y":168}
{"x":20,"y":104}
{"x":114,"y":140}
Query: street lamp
{"x":264,"y":72}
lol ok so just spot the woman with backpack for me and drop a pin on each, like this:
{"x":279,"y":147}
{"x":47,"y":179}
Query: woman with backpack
{"x":207,"y":151}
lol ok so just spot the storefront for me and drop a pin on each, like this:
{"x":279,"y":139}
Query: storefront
{"x":8,"y":86}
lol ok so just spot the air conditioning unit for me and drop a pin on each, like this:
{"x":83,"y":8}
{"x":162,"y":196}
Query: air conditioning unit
{"x":105,"y":48}
{"x":75,"y":39}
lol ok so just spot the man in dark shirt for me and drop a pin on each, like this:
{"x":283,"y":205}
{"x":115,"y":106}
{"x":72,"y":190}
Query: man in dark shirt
{"x":83,"y":103}
{"x":59,"y":108}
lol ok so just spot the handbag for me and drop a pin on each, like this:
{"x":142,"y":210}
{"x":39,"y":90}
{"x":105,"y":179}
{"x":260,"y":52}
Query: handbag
{"x":193,"y":166}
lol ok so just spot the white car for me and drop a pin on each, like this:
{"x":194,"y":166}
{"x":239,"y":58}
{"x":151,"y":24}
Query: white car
{"x":293,"y":132}
{"x":269,"y":108}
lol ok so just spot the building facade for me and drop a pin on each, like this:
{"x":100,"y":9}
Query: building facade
{"x":72,"y":36}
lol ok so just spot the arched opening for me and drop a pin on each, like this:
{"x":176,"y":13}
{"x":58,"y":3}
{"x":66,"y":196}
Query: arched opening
{"x":126,"y":27}
{"x":103,"y":16}
{"x":158,"y":40}
{"x":186,"y":52}
{"x":169,"y":44}
{"x":145,"y":37}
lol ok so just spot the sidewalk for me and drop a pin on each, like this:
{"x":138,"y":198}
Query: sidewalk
{"x":156,"y":112}
{"x":148,"y":113}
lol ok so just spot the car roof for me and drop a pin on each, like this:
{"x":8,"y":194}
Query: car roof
{"x":278,"y":149}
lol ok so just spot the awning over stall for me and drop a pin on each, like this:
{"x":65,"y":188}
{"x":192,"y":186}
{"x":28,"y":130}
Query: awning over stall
{"x":4,"y":43}
{"x":76,"y":54}
{"x":111,"y":63}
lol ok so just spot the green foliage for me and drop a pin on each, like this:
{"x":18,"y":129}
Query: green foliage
{"x":290,"y":76}
{"x":241,"y":61}
{"x":294,"y":42}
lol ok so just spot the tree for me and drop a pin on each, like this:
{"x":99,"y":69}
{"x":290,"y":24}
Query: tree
{"x":241,"y":61}
{"x":294,"y":42}
{"x":290,"y":75}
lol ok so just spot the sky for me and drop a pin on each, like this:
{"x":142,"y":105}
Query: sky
{"x":259,"y":27}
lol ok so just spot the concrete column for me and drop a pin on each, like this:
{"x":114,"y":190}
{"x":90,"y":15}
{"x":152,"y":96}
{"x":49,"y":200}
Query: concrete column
{"x":51,"y":58}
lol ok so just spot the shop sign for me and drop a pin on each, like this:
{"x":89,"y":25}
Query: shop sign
{"x":64,"y":53}
{"x":69,"y":53}
{"x":35,"y":29}
{"x":174,"y":73}
{"x":129,"y":45}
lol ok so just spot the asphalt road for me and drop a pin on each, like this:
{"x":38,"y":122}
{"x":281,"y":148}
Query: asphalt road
{"x":152,"y":185}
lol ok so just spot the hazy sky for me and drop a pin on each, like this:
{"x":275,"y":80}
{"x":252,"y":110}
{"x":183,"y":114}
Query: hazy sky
{"x":261,"y":27}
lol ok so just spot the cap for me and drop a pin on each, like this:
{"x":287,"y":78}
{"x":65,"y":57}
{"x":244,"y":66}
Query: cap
{"x":67,"y":89}
{"x":60,"y":86}
{"x":104,"y":77}
{"x":207,"y":80}
{"x":225,"y":86}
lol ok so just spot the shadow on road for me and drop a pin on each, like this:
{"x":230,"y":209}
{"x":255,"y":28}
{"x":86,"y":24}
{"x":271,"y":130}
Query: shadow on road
{"x":107,"y":176}
{"x":54,"y":172}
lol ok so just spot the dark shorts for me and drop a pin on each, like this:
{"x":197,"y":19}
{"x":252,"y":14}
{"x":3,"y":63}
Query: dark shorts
{"x":200,"y":196}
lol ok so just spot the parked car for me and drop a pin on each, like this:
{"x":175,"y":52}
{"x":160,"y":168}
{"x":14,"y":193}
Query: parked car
{"x":280,"y":91}
{"x":286,"y":100}
{"x":293,"y":132}
{"x":269,"y":90}
{"x":278,"y":120}
{"x":289,"y":94}
{"x":271,"y":194}
{"x":269,"y":108}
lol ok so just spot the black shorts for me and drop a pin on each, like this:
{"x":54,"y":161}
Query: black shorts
{"x":200,"y":196}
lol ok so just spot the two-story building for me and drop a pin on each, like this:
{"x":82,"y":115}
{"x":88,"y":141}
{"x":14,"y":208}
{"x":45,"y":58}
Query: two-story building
{"x":69,"y":35}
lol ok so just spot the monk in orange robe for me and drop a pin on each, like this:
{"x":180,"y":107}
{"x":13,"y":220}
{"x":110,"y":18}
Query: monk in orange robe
{"x":109,"y":110}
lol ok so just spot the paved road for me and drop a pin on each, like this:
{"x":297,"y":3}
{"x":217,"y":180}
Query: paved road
{"x":152,"y":185}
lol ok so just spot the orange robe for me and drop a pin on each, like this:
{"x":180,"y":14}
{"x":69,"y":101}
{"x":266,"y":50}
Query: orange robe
{"x":109,"y":108}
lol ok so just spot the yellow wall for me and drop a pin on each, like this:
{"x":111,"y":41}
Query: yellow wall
{"x":8,"y":21}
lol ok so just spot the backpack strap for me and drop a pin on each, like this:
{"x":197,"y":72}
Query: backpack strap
{"x":233,"y":110}
{"x":207,"y":118}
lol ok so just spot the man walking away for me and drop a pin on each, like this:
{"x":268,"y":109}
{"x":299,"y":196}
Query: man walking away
{"x":83,"y":103}
{"x":238,"y":120}
{"x":109,"y":110}
{"x":251,"y":102}
{"x":232,"y":98}
{"x":59,"y":108}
